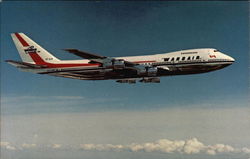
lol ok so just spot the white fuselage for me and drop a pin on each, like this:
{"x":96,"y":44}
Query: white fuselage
{"x":125,"y":69}
{"x":174,"y":63}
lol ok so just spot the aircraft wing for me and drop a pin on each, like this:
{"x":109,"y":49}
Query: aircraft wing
{"x":116,"y":64}
{"x":100,"y":59}
{"x":84,"y":54}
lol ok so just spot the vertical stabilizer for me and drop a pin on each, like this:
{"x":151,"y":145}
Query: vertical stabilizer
{"x":30,"y":51}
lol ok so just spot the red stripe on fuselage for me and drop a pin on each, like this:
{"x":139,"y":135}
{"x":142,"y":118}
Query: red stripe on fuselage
{"x":39,"y":61}
{"x":22,"y":41}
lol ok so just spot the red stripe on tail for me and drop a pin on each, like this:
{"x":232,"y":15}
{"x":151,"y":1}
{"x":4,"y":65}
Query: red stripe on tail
{"x":37,"y":59}
{"x":23,"y":42}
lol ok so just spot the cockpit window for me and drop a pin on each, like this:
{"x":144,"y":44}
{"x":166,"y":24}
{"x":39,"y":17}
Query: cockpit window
{"x":216,"y":50}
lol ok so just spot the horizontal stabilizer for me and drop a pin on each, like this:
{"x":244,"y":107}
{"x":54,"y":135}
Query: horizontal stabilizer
{"x":19,"y":64}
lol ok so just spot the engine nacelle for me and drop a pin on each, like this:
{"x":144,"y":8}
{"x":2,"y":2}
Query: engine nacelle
{"x":130,"y":81}
{"x":146,"y":71}
{"x":150,"y":80}
{"x":152,"y":71}
{"x":113,"y":63}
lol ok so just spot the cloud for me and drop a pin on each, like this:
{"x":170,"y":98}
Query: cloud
{"x":28,"y":146}
{"x":56,"y":146}
{"x":189,"y":146}
{"x":246,"y":150}
{"x":7,"y":146}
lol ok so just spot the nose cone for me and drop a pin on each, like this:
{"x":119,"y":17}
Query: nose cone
{"x":231,"y":59}
{"x":228,"y":58}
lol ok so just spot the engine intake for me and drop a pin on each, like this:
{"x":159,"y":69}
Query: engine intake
{"x":146,"y":71}
{"x":113,"y":63}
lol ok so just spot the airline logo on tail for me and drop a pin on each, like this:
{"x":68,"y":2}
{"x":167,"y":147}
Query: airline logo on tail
{"x":30,"y":49}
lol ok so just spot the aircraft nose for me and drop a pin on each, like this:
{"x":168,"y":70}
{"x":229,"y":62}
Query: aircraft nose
{"x":231,"y":59}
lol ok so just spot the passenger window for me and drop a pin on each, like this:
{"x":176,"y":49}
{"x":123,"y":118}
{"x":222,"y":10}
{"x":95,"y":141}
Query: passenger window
{"x":197,"y":57}
{"x":178,"y":58}
{"x":183,"y":58}
{"x":193,"y":58}
{"x":172,"y":59}
{"x":188,"y":58}
{"x":166,"y":59}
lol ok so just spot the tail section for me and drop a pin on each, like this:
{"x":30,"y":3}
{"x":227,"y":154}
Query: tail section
{"x":30,"y":51}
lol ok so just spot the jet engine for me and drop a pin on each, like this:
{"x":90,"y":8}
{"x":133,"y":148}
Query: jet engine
{"x":113,"y":63}
{"x":146,"y":71}
{"x":150,"y":80}
{"x":130,"y":81}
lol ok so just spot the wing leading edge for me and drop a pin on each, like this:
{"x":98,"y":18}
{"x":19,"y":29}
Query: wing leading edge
{"x":106,"y":61}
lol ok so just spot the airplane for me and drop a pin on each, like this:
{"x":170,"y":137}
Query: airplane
{"x":146,"y":69}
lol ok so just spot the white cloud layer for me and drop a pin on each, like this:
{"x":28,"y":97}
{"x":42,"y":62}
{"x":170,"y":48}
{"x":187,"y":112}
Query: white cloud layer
{"x":190,"y":146}
{"x":7,"y":146}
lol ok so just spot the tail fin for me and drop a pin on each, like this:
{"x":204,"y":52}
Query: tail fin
{"x":30,"y":51}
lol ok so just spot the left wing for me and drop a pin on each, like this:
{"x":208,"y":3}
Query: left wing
{"x":84,"y":54}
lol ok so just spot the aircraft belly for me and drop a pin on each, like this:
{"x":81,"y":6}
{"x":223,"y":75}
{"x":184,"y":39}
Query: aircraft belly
{"x":100,"y":73}
{"x":184,"y":69}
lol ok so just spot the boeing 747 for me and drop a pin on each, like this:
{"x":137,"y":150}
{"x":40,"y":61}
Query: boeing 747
{"x":147,"y":68}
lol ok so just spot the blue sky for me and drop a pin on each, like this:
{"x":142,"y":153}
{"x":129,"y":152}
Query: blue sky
{"x":126,"y":29}
{"x":121,"y":29}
